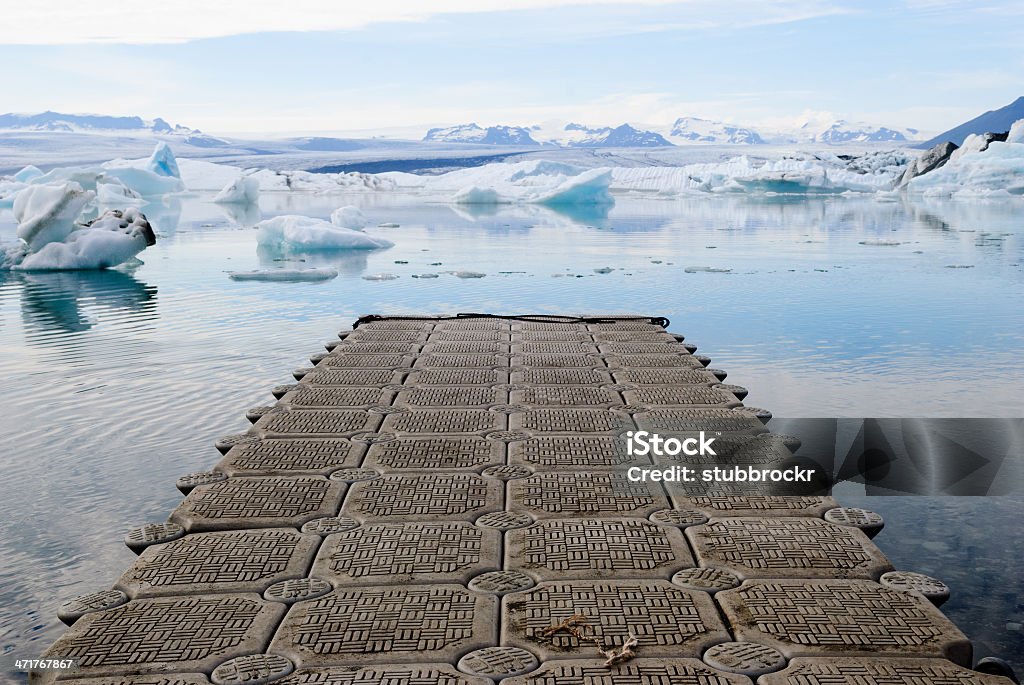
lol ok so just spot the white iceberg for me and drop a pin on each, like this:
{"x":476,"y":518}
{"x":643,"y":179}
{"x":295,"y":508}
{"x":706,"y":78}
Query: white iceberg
{"x":972,"y":172}
{"x":50,"y":239}
{"x":805,"y":173}
{"x":242,"y":190}
{"x":285,"y":275}
{"x":47,"y":213}
{"x":531,"y":182}
{"x":303,"y":233}
{"x":349,"y":217}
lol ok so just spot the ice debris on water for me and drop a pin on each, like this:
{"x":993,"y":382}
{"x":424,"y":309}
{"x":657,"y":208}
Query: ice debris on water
{"x":467,"y":274}
{"x":303,"y":234}
{"x":285,"y":275}
{"x":380,"y":277}
{"x":706,"y":269}
{"x":387,"y":225}
{"x":603,"y":270}
{"x":425,"y":276}
{"x":880,"y":242}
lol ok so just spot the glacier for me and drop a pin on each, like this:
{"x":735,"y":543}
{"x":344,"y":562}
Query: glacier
{"x":294,"y":233}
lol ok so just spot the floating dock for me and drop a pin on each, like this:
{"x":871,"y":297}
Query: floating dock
{"x":446,"y":501}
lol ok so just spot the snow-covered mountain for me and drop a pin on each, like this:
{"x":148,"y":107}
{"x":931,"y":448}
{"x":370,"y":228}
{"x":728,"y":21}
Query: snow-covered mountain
{"x":696,"y":130}
{"x":85,"y":123}
{"x":842,"y":131}
{"x":619,"y":136}
{"x":471,"y":133}
{"x":59,"y":122}
{"x":993,"y":121}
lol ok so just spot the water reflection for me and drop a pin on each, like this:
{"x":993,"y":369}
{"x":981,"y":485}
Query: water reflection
{"x":71,"y":301}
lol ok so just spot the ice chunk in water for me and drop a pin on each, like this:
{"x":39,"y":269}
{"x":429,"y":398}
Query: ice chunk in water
{"x":348,"y":217}
{"x":242,"y":190}
{"x":113,"y":238}
{"x":303,"y":233}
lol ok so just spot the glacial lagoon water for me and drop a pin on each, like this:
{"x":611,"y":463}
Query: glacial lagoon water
{"x":116,"y":383}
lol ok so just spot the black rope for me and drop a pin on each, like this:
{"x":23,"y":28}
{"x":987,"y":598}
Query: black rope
{"x":529,"y":318}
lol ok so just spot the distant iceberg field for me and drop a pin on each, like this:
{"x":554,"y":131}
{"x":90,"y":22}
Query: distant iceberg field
{"x":91,"y":217}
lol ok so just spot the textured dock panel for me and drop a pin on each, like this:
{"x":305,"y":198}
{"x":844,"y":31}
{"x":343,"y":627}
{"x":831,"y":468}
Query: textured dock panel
{"x":443,"y":552}
{"x":432,"y":497}
{"x":667,"y":620}
{"x":596,"y":548}
{"x":841,"y":618}
{"x":186,"y":634}
{"x":236,"y":561}
{"x":259,"y":503}
{"x":387,"y":625}
{"x":291,"y":457}
{"x":795,"y":547}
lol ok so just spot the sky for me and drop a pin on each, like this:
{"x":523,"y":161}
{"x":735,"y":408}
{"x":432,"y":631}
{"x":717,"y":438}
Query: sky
{"x":305,"y":66}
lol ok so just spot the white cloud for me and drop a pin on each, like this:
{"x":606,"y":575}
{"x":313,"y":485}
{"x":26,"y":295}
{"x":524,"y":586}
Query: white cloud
{"x":63,"y":22}
{"x":129,"y":21}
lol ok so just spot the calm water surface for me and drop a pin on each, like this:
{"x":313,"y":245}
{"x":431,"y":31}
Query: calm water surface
{"x":114,"y":384}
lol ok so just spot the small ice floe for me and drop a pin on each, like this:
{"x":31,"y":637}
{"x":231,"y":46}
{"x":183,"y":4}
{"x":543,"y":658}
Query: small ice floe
{"x":380,"y":277}
{"x":51,"y":237}
{"x":387,"y":225}
{"x":303,"y":233}
{"x":880,"y":242}
{"x":285,"y":275}
{"x":424,"y":275}
{"x":706,"y":269}
{"x":604,"y":270}
{"x":349,"y":217}
{"x":467,"y":274}
{"x":959,"y":266}
{"x":243,"y":190}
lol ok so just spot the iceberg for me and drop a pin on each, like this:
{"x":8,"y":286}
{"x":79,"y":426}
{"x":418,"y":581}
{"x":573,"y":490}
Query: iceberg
{"x":242,"y":190}
{"x":162,"y":162}
{"x":47,"y":213}
{"x":51,"y":240}
{"x":530,"y":182}
{"x":303,"y":233}
{"x":980,"y":168}
{"x":285,"y":275}
{"x":820,"y":173}
{"x":349,"y":217}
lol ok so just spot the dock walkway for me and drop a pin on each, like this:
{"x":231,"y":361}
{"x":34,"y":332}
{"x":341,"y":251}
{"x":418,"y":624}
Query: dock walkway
{"x":447,"y":502}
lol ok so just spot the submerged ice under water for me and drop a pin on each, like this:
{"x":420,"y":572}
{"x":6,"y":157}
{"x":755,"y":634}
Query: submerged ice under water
{"x":827,"y":306}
